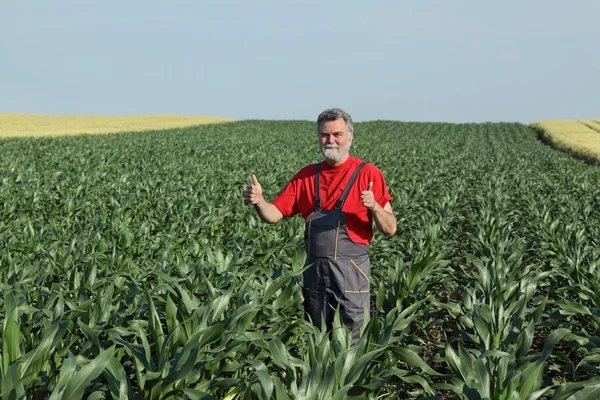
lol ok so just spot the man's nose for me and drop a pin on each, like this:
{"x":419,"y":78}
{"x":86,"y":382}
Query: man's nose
{"x":331,"y":139}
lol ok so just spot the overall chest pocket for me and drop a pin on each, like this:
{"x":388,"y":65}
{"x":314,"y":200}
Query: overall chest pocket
{"x":322,"y":234}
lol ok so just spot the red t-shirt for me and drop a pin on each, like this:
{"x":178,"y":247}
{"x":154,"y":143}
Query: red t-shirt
{"x":299,"y":194}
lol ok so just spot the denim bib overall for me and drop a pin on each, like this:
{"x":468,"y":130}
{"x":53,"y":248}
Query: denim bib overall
{"x":340,"y":269}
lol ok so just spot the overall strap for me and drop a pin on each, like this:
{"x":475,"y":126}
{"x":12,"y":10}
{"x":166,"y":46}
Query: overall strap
{"x":317,"y":194}
{"x":342,"y":199}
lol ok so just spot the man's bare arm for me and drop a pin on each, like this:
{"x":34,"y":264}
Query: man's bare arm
{"x":268,"y":212}
{"x":384,"y":218}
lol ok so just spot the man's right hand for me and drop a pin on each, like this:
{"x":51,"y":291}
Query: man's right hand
{"x":253,"y":194}
{"x":267,"y":212}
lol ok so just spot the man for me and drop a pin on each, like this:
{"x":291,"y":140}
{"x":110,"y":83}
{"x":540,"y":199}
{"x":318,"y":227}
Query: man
{"x":339,"y":198}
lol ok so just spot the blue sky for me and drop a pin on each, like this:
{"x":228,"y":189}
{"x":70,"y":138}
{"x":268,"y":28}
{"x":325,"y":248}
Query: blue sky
{"x":455,"y":61}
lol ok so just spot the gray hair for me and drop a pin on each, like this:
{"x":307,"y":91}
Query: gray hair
{"x":332,"y":114}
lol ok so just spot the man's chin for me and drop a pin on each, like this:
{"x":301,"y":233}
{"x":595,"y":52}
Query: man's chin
{"x":335,"y":157}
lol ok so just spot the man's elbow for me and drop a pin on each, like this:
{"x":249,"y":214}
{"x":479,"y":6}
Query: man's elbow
{"x":268,"y":219}
{"x":391,"y":228}
{"x":390,"y":232}
{"x":389,"y":222}
{"x":387,"y":230}
{"x":273,"y":218}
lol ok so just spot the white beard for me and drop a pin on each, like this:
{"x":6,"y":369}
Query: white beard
{"x":335,"y":153}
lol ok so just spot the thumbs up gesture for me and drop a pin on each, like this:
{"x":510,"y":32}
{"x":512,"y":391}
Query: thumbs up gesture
{"x":253,"y":193}
{"x":368,"y":198}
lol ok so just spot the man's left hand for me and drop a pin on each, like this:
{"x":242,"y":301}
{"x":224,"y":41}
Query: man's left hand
{"x":368,"y":198}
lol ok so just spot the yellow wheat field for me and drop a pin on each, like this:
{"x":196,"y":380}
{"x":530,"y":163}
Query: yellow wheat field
{"x":595,"y":125}
{"x":581,"y":136}
{"x":22,"y":125}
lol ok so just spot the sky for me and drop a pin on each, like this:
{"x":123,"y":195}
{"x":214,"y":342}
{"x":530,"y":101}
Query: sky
{"x":445,"y":60}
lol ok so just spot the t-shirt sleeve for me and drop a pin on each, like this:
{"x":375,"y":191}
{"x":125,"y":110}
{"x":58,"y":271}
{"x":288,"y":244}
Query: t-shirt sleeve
{"x":286,"y":200}
{"x":385,"y":197}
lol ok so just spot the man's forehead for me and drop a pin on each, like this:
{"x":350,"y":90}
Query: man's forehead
{"x":337,"y":126}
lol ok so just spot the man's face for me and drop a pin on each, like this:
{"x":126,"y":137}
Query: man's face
{"x":334,"y":141}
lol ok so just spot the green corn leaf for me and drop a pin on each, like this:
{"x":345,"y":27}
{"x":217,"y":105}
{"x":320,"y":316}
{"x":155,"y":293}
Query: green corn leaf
{"x":279,"y":353}
{"x":466,"y":362}
{"x":381,"y":294}
{"x":197,"y":394}
{"x":419,"y":380}
{"x":172,"y":322}
{"x":572,"y":308}
{"x":106,"y":304}
{"x":455,"y":363}
{"x":120,"y":387}
{"x":593,"y":358}
{"x":495,"y":353}
{"x":11,"y":343}
{"x":310,"y":383}
{"x":326,"y":385}
{"x":43,"y":349}
{"x":184,"y":360}
{"x":220,"y":304}
{"x":567,"y":390}
{"x":154,"y":323}
{"x":280,"y":392}
{"x":587,"y":393}
{"x":525,"y":339}
{"x":536,"y":395}
{"x":342,"y":393}
{"x":267,"y":383}
{"x":12,"y":387}
{"x":67,"y":371}
{"x":412,"y":359}
{"x":138,"y":351}
{"x":551,"y":340}
{"x":360,"y":366}
{"x":191,"y":304}
{"x":480,"y":378}
{"x":537,"y":314}
{"x":482,"y":331}
{"x":89,"y":333}
{"x":278,"y":283}
{"x":96,"y":396}
{"x":530,"y":380}
{"x":84,"y":377}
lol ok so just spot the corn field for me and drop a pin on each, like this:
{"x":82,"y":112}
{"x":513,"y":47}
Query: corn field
{"x":131,"y":268}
